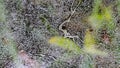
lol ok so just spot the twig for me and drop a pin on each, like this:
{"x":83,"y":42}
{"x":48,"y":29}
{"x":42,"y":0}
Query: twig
{"x":66,"y":34}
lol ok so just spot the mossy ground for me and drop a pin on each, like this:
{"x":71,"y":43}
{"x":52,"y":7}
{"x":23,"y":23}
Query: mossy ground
{"x":33,"y":22}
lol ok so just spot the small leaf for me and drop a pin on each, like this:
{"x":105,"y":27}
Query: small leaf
{"x":65,"y":43}
{"x":107,"y":13}
{"x":89,"y":45}
{"x":95,"y":21}
{"x":94,"y":51}
{"x":89,"y":39}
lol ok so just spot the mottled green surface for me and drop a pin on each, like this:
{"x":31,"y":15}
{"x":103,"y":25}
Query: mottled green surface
{"x":29,"y":24}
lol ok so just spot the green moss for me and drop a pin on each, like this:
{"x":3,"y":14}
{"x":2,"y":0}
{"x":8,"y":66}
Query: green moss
{"x":2,"y":11}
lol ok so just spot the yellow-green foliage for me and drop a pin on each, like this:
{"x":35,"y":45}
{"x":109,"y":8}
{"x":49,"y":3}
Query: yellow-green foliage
{"x":66,"y":44}
{"x":89,"y":39}
{"x":101,"y":16}
{"x":108,"y":18}
{"x":89,"y":45}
